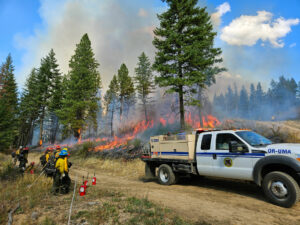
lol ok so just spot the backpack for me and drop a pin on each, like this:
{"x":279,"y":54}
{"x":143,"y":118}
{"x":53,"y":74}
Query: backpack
{"x":50,"y":168}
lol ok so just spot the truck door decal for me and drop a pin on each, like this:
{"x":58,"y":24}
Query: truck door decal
{"x":228,"y":162}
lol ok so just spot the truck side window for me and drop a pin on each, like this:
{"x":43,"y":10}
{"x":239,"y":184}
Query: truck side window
{"x":223,"y":140}
{"x":206,"y":139}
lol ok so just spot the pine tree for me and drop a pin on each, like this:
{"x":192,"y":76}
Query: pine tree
{"x":253,"y":102}
{"x":185,"y":56}
{"x":261,"y":102}
{"x":144,"y":81}
{"x":81,"y":85}
{"x":229,"y":101}
{"x":49,"y":91}
{"x":111,"y":101}
{"x":8,"y":105}
{"x":56,"y":94}
{"x":29,"y":108}
{"x":126,"y":88}
{"x":244,"y":103}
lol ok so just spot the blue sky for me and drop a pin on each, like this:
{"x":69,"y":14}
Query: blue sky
{"x":29,"y":29}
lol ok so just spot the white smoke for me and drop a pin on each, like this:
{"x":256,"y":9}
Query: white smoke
{"x":221,"y":10}
{"x":119,"y":31}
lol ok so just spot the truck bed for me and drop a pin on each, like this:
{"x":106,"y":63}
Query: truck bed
{"x":171,"y":147}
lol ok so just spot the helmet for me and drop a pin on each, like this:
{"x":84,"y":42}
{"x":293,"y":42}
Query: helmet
{"x":32,"y":163}
{"x":58,"y":147}
{"x":26,"y":148}
{"x":63,"y":153}
{"x":66,"y":149}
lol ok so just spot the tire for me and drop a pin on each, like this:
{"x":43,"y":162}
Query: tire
{"x":281,"y":189}
{"x":166,"y":176}
{"x":149,"y":171}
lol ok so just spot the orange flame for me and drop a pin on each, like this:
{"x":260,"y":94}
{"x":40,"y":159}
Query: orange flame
{"x":41,"y":142}
{"x":79,"y":132}
{"x":117,"y":142}
{"x":133,"y":129}
{"x":163,"y":121}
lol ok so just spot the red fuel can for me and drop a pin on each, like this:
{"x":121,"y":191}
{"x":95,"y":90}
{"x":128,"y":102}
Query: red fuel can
{"x":82,"y":190}
{"x":94,"y":181}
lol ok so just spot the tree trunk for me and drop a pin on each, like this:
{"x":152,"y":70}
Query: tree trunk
{"x":55,"y":130}
{"x":41,"y":128}
{"x":111,"y":124}
{"x":145,"y":110}
{"x":121,"y":107}
{"x":199,"y":97}
{"x":181,"y":107}
{"x":30,"y":133}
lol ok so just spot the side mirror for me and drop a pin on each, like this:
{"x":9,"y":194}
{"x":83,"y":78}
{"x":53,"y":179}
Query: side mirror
{"x":235,"y":147}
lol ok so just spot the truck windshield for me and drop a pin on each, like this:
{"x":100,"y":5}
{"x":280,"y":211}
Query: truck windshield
{"x":253,"y":138}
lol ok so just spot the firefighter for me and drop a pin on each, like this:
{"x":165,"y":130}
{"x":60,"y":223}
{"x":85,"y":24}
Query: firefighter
{"x":50,"y":160}
{"x":48,"y":154}
{"x":43,"y":157}
{"x":15,"y":155}
{"x":61,"y":179}
{"x":57,"y":151}
{"x":23,"y":158}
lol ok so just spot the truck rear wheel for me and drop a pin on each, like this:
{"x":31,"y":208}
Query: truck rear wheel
{"x":281,"y":189}
{"x":149,"y":171}
{"x":166,"y":176}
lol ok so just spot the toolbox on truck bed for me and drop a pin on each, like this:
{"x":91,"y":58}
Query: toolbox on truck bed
{"x":178,"y":147}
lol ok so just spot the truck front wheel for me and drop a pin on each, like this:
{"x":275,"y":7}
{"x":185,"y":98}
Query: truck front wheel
{"x":281,"y":189}
{"x":166,"y":176}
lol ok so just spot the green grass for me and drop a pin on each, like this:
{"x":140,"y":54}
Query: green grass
{"x":48,"y":221}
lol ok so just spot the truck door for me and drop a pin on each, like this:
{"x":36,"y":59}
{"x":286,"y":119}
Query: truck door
{"x":203,"y":154}
{"x":228,"y":164}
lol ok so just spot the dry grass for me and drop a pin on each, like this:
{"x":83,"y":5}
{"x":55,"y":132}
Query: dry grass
{"x":99,"y":206}
{"x":16,"y":191}
{"x":132,"y":168}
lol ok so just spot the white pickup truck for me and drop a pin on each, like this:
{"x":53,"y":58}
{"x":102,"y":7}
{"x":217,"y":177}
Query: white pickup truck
{"x":234,"y":154}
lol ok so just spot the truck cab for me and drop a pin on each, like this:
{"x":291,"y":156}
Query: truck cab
{"x":226,"y":154}
{"x":234,"y":154}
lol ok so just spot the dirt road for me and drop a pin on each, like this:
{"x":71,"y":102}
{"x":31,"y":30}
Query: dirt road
{"x":215,"y":201}
{"x":204,"y":199}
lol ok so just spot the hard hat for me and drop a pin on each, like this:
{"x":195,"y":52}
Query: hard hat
{"x":58,"y":147}
{"x":63,"y":153}
{"x":32,"y":163}
{"x":21,"y":147}
{"x":66,"y":149}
